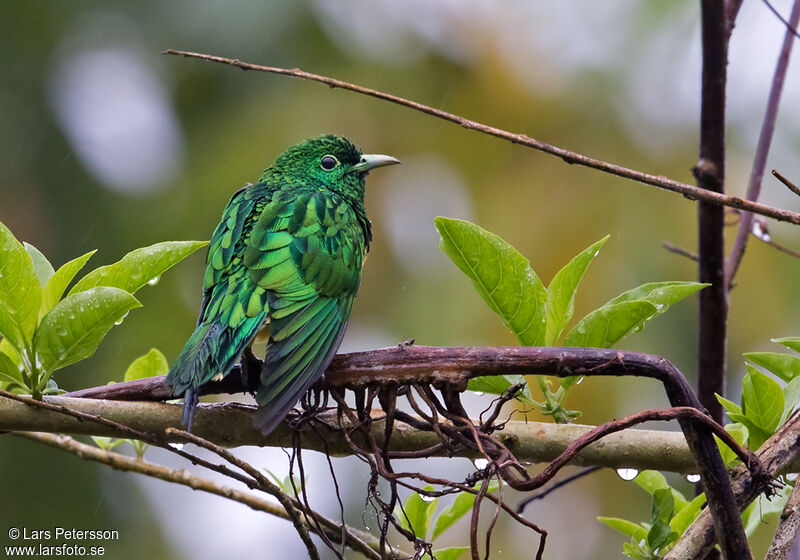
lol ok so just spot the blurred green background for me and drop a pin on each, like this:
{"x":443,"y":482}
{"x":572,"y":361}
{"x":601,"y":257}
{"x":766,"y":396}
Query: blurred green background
{"x":105,"y":143}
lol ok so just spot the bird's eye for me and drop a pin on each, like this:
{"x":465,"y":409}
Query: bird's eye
{"x":328,"y":162}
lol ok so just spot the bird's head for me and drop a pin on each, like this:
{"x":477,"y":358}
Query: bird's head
{"x":332,"y":161}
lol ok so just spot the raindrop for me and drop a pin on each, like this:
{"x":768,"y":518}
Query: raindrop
{"x":693,"y":477}
{"x":627,"y":474}
{"x":119,"y":322}
{"x":177,"y":446}
{"x":480,"y":463}
{"x":153,"y":281}
{"x":425,"y":498}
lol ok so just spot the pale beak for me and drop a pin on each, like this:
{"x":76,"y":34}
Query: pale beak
{"x":371,"y":161}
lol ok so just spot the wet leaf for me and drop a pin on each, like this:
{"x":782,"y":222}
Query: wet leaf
{"x":139,"y":267}
{"x":562,"y":289}
{"x":502,"y":277}
{"x":74,"y":328}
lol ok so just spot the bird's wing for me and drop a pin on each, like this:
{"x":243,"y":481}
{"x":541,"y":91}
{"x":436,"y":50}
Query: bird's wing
{"x":304,"y":254}
{"x":222,"y":330}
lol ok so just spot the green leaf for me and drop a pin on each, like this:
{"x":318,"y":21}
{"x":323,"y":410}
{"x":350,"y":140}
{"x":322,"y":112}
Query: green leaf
{"x":663,"y":507}
{"x":791,"y":398}
{"x":651,"y":481}
{"x":139,"y":267}
{"x":785,"y":366}
{"x":561,"y":292}
{"x":452,"y":553}
{"x":660,"y":294}
{"x":9,"y":371}
{"x":74,"y":328}
{"x":150,"y":365}
{"x":604,"y":327}
{"x":633,"y":530}
{"x":460,"y":506}
{"x":107,"y":443}
{"x":762,"y":400}
{"x":762,"y":511}
{"x":729,"y":406}
{"x":791,"y":342}
{"x":687,"y":514}
{"x":628,"y":313}
{"x":502,"y":277}
{"x":20,"y":292}
{"x":418,"y":513}
{"x":58,"y":283}
{"x":44,"y":270}
{"x":499,"y":384}
{"x":740,"y":433}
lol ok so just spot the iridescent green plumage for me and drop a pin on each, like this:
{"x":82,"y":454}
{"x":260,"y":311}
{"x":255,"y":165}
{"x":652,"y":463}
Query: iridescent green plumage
{"x":286,"y":257}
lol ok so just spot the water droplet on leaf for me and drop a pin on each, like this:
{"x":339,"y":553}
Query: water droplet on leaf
{"x":153,"y":281}
{"x":693,"y":477}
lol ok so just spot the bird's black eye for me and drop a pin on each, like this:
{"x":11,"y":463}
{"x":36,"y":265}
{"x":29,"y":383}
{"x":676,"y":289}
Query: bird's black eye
{"x":328,"y":162}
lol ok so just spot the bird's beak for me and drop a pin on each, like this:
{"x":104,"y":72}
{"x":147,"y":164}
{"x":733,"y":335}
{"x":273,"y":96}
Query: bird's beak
{"x":371,"y":161}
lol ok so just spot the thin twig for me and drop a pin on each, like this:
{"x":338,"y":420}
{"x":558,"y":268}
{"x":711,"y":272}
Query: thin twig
{"x":359,"y":541}
{"x":553,"y":487}
{"x":672,"y":248}
{"x":689,"y":191}
{"x":264,"y":484}
{"x":764,"y":142}
{"x":792,"y":187}
{"x":791,"y":27}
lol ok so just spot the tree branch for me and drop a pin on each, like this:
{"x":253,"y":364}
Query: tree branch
{"x":230,"y":424}
{"x":710,"y":174}
{"x":764,"y":143}
{"x":359,"y":541}
{"x":776,"y":456}
{"x":788,"y":528}
{"x":689,"y":191}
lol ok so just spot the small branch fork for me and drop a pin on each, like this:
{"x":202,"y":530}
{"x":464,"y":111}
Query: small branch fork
{"x":689,"y":191}
{"x":418,"y":372}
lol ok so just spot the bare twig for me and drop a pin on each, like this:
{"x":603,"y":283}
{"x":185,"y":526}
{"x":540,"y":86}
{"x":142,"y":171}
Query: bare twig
{"x":792,"y":187}
{"x":689,"y":191}
{"x":359,"y":541}
{"x":764,"y":143}
{"x":553,"y":487}
{"x":791,"y":27}
{"x":672,"y":248}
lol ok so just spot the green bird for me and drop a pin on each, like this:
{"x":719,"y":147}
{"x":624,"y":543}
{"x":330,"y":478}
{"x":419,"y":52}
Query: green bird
{"x":284,"y":264}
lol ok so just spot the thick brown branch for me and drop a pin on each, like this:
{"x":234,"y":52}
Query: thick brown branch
{"x":776,"y":455}
{"x":689,"y":191}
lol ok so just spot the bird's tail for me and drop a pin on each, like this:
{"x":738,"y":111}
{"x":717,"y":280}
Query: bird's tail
{"x":212,"y":349}
{"x":196,"y":364}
